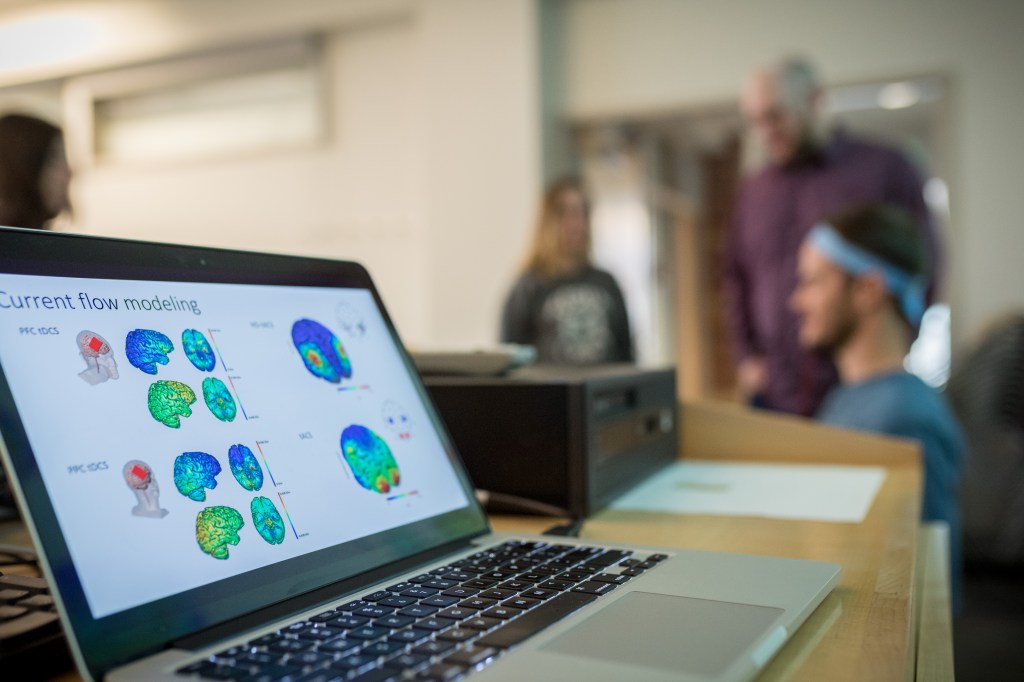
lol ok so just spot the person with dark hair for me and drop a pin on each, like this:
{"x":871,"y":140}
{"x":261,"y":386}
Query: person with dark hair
{"x":572,"y":312}
{"x":812,"y":171}
{"x":861,"y":278}
{"x":34,"y":172}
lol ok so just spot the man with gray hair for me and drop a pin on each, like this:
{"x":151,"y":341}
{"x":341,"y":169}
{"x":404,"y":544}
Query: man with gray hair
{"x":811,"y":172}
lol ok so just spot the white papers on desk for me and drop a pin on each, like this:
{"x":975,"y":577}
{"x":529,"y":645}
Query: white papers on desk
{"x":811,"y":492}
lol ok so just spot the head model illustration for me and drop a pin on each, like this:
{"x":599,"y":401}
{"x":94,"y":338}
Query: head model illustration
{"x":350,"y":321}
{"x":321,"y":351}
{"x":139,"y":477}
{"x":99,"y":361}
{"x":397,"y":419}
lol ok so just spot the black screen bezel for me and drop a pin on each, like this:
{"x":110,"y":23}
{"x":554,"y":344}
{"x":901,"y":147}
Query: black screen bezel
{"x":122,"y":637}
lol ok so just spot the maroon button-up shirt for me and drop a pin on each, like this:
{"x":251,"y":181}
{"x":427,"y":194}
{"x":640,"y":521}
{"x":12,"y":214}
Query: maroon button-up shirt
{"x":775,"y":210}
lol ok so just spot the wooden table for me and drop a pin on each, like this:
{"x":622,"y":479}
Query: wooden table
{"x":887,"y":619}
{"x":868,"y":627}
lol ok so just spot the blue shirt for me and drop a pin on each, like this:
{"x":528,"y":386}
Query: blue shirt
{"x":900,"y":404}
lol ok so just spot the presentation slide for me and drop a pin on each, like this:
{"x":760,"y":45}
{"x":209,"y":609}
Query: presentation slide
{"x":190,"y":432}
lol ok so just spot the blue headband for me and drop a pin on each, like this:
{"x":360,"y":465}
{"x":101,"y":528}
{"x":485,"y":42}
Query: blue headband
{"x":908,"y":289}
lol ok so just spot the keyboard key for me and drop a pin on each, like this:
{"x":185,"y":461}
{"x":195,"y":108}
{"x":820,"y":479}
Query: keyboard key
{"x":457,"y":613}
{"x":521,"y":603}
{"x":503,"y":612}
{"x":471,"y":656}
{"x":536,"y":619}
{"x":408,"y":661}
{"x":611,"y":578}
{"x":421,"y":578}
{"x":399,"y":587}
{"x":482,"y":623}
{"x":373,"y":611}
{"x":321,"y":634}
{"x":477,"y":603}
{"x":633,"y":572}
{"x":460,"y":591}
{"x":610,"y":557}
{"x":394,"y":621}
{"x":382,"y":648}
{"x":539,"y":593}
{"x":409,"y":636}
{"x":397,"y":601}
{"x":418,"y":610}
{"x":379,"y":594}
{"x":594,"y":587}
{"x":458,"y":634}
{"x":435,"y":624}
{"x":558,"y":585}
{"x":310,"y":658}
{"x":352,"y":606}
{"x":515,"y":585}
{"x":348,"y":621}
{"x":497,"y":593}
{"x":419,"y":592}
{"x":440,"y":600}
{"x":433,"y":648}
{"x":480,"y":583}
{"x":440,"y":583}
{"x":341,"y":646}
{"x":356,"y":662}
{"x":368,"y":632}
{"x":286,"y":646}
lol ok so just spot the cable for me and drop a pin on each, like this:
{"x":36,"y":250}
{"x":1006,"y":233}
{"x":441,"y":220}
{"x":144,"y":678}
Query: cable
{"x":494,"y":501}
{"x":14,"y":555}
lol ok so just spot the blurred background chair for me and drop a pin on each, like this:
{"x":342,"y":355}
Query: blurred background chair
{"x":986,"y":390}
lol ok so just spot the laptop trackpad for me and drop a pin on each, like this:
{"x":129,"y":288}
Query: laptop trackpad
{"x":681,"y":634}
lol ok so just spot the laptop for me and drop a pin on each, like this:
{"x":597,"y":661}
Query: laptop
{"x":231,"y":470}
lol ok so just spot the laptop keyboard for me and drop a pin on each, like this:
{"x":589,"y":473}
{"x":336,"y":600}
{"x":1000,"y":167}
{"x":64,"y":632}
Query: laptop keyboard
{"x":441,"y":625}
{"x":31,"y":637}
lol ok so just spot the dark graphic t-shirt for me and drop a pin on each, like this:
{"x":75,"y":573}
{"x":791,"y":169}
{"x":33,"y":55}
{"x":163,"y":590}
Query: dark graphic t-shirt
{"x":579,"y":319}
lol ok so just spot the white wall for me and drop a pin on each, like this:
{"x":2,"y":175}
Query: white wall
{"x":429,"y":174}
{"x":635,"y":56}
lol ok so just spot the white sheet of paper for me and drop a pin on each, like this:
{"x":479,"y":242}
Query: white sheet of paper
{"x":815,"y":492}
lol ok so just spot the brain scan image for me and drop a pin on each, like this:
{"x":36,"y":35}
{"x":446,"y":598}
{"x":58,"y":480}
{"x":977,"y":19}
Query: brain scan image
{"x":267,"y":520}
{"x":321,"y":351}
{"x":139,"y":477}
{"x":99,"y":360}
{"x":169,"y":401}
{"x":198,"y":350}
{"x":245,"y":468}
{"x":370,"y":459}
{"x":396,"y":418}
{"x":216,"y":528}
{"x":194,"y":472}
{"x":146,"y":349}
{"x":218,"y":399}
{"x":350,"y":321}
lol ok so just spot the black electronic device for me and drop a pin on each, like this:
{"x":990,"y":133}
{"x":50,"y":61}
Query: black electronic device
{"x":575,"y":438}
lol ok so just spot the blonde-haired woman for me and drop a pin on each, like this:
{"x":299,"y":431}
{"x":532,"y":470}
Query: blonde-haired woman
{"x":572,"y":312}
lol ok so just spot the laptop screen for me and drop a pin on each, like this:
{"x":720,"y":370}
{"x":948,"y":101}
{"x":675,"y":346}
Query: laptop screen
{"x":216,"y":446}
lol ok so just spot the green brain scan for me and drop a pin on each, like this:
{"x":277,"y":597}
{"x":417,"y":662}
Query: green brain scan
{"x":218,"y":399}
{"x":216,"y":528}
{"x":169,"y":401}
{"x":267,"y":520}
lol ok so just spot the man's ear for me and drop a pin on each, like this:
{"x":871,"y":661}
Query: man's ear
{"x":870,"y":292}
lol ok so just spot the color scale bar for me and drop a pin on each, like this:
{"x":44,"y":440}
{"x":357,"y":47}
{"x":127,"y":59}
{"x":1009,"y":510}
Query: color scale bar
{"x":288,"y":515}
{"x":364,"y":387}
{"x":265,"y":465}
{"x":398,"y":497}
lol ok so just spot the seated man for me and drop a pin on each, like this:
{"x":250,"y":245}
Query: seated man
{"x":860,"y":290}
